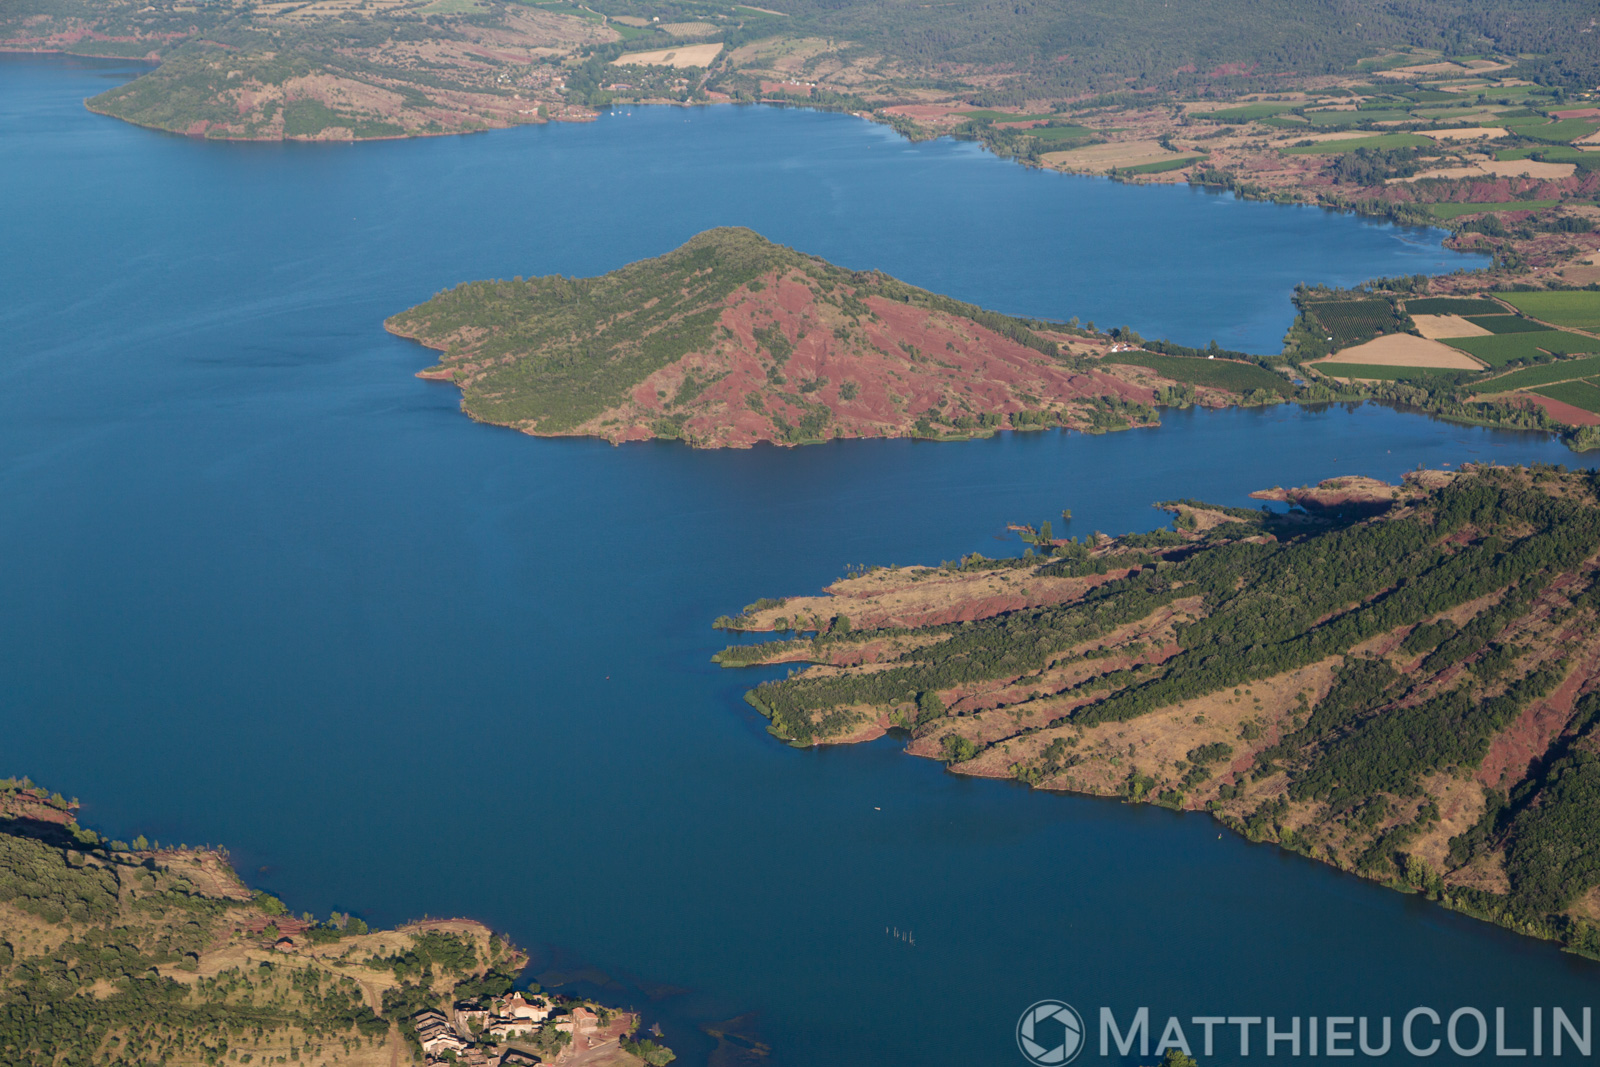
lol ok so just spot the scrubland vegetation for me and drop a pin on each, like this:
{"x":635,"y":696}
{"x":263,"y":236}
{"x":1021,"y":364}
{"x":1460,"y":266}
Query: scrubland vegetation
{"x":133,"y":954}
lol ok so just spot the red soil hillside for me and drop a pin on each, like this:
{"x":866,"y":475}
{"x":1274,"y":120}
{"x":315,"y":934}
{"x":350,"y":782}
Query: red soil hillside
{"x":731,"y":340}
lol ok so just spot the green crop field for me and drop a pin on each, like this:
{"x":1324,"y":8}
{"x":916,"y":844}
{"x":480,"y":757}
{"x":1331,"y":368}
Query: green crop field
{"x":1335,"y":119}
{"x":1430,"y":96}
{"x":1379,"y":372}
{"x":1246,"y":112}
{"x":1386,"y":140}
{"x":1548,"y":374}
{"x":1499,"y":349}
{"x":1215,"y":373}
{"x":1451,"y":211}
{"x":1060,"y":133}
{"x":1580,"y":394}
{"x":985,"y":115}
{"x":1507,"y":324}
{"x":1353,"y":321}
{"x":1556,"y":153}
{"x":1562,"y":131}
{"x":1453,"y":305}
{"x":1580,"y":308}
{"x":1161,"y":166}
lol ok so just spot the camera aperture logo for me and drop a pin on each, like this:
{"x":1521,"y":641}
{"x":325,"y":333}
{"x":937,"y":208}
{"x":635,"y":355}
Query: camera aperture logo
{"x":1050,"y":1033}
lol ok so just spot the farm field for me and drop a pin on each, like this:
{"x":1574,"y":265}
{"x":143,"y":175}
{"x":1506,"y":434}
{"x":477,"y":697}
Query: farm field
{"x":1452,"y":211}
{"x":689,"y":55}
{"x":1549,"y":374}
{"x":1354,"y":118}
{"x":1378,"y":372}
{"x":1433,"y":327}
{"x":1465,"y":133}
{"x":1505,"y":324}
{"x":1405,"y":350}
{"x":1115,"y":155}
{"x":1216,"y":373}
{"x":987,"y":115}
{"x":1580,"y":394}
{"x":1453,"y":305}
{"x":1580,"y":308}
{"x":1061,"y":133}
{"x":1164,"y":165}
{"x":1501,"y":349}
{"x":1353,"y":321}
{"x":1560,"y":131}
{"x":1246,"y":112}
{"x":1386,"y":140}
{"x":1561,"y":153}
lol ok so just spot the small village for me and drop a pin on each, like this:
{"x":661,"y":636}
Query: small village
{"x":523,"y":1029}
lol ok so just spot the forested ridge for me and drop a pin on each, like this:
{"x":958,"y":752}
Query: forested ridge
{"x":1409,"y":695}
{"x":1102,"y":44}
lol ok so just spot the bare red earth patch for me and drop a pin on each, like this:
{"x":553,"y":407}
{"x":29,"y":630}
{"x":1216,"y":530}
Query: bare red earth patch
{"x":1572,"y":416}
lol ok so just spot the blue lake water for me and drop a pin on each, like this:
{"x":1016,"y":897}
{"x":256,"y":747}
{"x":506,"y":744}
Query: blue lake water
{"x":266,"y":588}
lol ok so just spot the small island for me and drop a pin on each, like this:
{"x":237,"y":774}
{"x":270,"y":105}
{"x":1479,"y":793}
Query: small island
{"x":732,"y":340}
{"x":1401,"y":681}
{"x":134,"y":953}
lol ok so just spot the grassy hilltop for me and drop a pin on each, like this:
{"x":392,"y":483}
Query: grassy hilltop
{"x":731,"y":340}
{"x":1400,"y":681}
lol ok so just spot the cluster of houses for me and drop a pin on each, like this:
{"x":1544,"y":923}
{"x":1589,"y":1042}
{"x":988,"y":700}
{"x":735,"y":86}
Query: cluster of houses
{"x":457,"y":1035}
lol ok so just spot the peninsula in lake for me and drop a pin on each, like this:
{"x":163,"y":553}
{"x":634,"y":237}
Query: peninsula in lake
{"x":732,"y":340}
{"x":1400,"y":681}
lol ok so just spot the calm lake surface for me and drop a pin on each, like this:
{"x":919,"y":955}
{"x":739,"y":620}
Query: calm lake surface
{"x":266,"y":588}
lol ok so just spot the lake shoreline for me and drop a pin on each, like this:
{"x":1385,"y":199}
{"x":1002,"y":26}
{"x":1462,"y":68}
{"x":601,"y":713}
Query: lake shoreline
{"x":1042,"y":644}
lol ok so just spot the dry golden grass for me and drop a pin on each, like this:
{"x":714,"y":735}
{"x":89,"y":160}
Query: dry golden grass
{"x":690,"y":55}
{"x":1465,"y":133}
{"x":1498,"y":168}
{"x":1434,"y":327}
{"x":1405,"y":350}
{"x":1100,"y":158}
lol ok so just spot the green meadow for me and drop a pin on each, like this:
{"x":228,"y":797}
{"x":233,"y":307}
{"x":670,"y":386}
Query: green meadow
{"x":1452,"y":211}
{"x":1580,"y":308}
